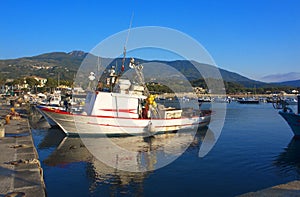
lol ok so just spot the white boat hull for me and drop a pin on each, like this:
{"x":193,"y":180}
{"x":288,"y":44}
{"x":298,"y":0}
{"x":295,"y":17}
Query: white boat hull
{"x":293,"y":121}
{"x":107,"y":125}
{"x":49,"y":120}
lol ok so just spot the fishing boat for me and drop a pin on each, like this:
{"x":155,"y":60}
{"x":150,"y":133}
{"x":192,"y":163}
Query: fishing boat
{"x":52,"y":99}
{"x":222,"y":99}
{"x":120,"y":107}
{"x":248,"y":101}
{"x":292,"y":118}
{"x":204,"y":100}
{"x":51,"y":122}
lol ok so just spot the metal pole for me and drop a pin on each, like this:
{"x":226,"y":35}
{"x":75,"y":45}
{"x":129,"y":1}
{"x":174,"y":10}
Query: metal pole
{"x":298,"y":97}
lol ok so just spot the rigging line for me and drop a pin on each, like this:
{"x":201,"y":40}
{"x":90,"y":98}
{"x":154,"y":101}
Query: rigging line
{"x":124,"y":52}
{"x":132,"y":15}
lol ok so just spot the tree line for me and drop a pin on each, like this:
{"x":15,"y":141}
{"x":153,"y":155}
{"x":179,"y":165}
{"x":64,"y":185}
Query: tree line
{"x":230,"y":87}
{"x":33,"y":84}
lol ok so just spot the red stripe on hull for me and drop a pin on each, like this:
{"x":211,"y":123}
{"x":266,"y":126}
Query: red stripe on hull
{"x":97,"y":116}
{"x":130,"y":111}
{"x":109,"y":125}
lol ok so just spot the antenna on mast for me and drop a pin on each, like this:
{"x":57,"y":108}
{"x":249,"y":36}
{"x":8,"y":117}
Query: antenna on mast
{"x":124,"y":52}
{"x":98,"y":66}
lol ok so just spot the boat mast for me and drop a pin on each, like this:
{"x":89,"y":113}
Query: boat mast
{"x":124,"y":50}
{"x":298,"y":97}
{"x":98,"y":67}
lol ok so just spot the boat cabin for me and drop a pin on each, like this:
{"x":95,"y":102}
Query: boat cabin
{"x":118,"y":97}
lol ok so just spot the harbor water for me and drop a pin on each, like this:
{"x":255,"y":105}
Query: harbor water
{"x":255,"y":150}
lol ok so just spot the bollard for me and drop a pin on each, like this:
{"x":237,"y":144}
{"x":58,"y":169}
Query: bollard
{"x":2,"y":128}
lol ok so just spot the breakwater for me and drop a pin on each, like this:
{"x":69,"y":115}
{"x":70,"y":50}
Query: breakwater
{"x":20,"y":171}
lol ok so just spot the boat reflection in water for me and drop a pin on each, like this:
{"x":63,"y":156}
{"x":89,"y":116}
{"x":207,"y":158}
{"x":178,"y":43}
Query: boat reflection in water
{"x":143,"y":156}
{"x":289,"y":160}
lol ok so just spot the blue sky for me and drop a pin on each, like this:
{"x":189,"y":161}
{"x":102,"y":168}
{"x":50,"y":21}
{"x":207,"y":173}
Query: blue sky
{"x":250,"y":37}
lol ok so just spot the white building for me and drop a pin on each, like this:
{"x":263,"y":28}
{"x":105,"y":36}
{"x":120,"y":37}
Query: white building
{"x":42,"y":81}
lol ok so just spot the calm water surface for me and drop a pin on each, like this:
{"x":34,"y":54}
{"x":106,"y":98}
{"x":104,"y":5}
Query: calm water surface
{"x":256,"y":150}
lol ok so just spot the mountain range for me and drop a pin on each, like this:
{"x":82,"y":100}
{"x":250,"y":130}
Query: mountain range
{"x":66,"y":65}
{"x":275,"y":78}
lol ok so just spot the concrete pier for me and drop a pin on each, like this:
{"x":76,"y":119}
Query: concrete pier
{"x":20,"y":171}
{"x":284,"y":190}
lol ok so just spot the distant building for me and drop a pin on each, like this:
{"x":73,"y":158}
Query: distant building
{"x":63,"y":87}
{"x":199,"y":90}
{"x":42,"y":81}
{"x":9,"y":80}
{"x":282,"y":92}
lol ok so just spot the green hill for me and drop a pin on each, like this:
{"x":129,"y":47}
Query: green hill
{"x":45,"y":65}
{"x":66,"y":65}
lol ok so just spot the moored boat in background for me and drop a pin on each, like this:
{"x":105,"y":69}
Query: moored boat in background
{"x":291,"y":101}
{"x":292,"y":118}
{"x":248,"y":101}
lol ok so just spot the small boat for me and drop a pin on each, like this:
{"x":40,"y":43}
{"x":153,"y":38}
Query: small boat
{"x":270,"y":100}
{"x":221,"y":100}
{"x":248,"y":101}
{"x":204,"y":100}
{"x":292,"y":118}
{"x":124,"y":108}
{"x":52,"y":99}
{"x":291,"y":101}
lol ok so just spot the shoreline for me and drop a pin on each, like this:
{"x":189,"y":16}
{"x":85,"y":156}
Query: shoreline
{"x":194,"y":95}
{"x":291,"y":188}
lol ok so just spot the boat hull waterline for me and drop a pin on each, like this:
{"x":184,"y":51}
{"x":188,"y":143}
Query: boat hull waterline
{"x":48,"y":119}
{"x":293,"y":121}
{"x":107,"y":125}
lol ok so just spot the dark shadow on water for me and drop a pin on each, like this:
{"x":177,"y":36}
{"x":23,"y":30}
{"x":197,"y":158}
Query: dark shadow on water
{"x":17,"y":134}
{"x":53,"y":138}
{"x":289,"y":160}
